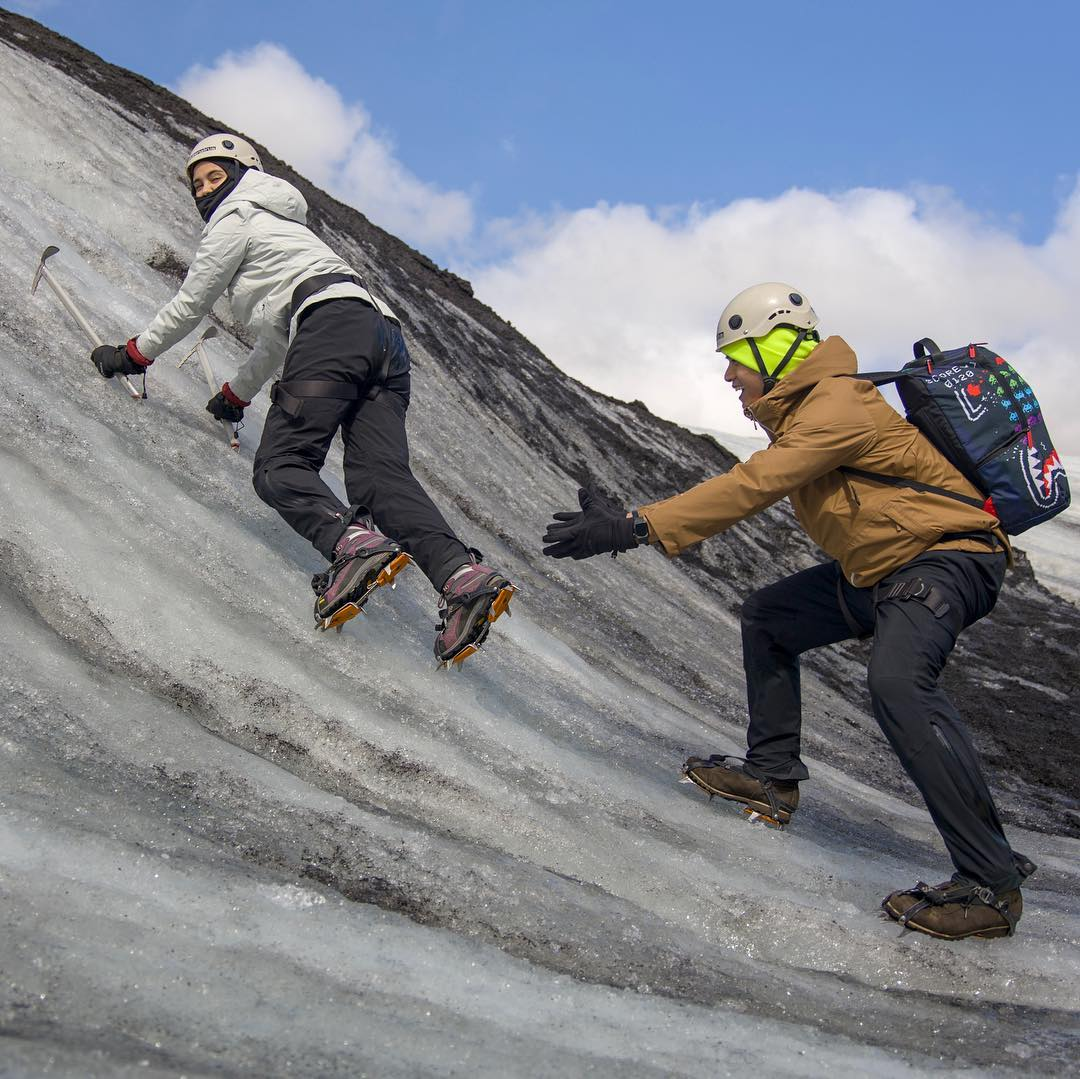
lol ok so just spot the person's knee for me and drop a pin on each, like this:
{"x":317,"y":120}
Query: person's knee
{"x":896,"y":689}
{"x":751,"y":609}
{"x":259,"y":481}
{"x":757,"y":614}
{"x":265,"y":477}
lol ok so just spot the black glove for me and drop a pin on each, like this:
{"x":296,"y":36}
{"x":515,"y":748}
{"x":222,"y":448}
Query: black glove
{"x":598,"y":528}
{"x":225,"y":405}
{"x":113,"y":360}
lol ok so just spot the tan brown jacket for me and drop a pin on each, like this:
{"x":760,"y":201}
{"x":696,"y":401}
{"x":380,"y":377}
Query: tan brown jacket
{"x":818,"y":422}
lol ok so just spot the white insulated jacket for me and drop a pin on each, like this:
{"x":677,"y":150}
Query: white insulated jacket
{"x":256,"y":249}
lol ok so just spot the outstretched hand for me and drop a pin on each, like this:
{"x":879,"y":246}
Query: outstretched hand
{"x":599,"y":527}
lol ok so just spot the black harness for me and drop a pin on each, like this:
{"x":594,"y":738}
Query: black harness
{"x":290,"y":396}
{"x":310,"y":285}
{"x":929,"y":595}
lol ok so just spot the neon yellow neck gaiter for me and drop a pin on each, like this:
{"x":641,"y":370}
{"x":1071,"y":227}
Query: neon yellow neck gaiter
{"x":773,"y":347}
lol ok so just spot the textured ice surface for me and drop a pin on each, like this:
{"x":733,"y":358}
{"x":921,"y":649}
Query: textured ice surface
{"x":228,"y":845}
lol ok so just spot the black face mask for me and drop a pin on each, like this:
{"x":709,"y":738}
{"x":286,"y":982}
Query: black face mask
{"x":207,"y":204}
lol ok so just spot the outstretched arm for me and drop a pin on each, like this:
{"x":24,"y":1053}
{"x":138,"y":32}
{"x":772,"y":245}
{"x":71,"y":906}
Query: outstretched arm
{"x":817,"y":443}
{"x":216,"y":261}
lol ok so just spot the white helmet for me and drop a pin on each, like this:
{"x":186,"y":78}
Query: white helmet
{"x":224,"y":145}
{"x":761,"y":308}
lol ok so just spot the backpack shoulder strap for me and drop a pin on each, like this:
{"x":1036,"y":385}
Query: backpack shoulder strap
{"x":925,"y":348}
{"x":915,"y":485}
{"x":878,"y":378}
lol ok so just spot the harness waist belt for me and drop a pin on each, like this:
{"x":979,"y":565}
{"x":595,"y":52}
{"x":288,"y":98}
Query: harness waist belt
{"x":309,"y":286}
{"x":289,"y":396}
{"x":323,"y":387}
{"x":979,"y":537}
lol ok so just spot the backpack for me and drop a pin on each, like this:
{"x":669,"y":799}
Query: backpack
{"x":984,"y":418}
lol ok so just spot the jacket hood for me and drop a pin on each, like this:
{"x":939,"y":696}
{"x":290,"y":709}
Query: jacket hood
{"x":832,"y":357}
{"x":266,"y":193}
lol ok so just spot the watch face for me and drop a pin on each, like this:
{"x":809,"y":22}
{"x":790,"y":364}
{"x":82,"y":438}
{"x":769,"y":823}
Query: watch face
{"x":641,"y":528}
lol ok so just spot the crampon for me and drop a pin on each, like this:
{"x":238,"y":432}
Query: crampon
{"x":364,"y":576}
{"x":473,"y":598}
{"x":763,"y":801}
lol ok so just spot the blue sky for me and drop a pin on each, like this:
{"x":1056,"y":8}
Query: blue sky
{"x":533,"y":105}
{"x":608,"y":175}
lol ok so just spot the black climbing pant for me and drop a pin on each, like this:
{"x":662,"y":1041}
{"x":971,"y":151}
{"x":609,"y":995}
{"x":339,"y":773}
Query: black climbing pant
{"x":340,"y":345}
{"x":912,"y":640}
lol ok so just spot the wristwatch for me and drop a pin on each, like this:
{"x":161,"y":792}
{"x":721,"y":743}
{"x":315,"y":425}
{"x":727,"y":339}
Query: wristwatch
{"x":641,"y":528}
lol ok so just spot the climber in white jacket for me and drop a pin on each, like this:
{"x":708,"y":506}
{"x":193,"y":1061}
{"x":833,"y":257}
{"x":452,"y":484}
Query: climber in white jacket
{"x":346,"y":367}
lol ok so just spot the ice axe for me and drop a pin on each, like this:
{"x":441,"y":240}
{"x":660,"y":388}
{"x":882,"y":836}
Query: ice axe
{"x":211,"y":331}
{"x":72,"y":310}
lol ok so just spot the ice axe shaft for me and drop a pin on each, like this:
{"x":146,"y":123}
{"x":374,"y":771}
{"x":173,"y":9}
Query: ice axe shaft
{"x":197,"y":350}
{"x":73,"y":311}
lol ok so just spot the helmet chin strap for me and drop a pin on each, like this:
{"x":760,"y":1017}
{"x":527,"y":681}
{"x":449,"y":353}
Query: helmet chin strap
{"x":769,"y":381}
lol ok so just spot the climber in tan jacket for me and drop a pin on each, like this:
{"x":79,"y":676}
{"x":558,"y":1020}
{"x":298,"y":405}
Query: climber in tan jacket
{"x":911,"y":567}
{"x":817,"y":421}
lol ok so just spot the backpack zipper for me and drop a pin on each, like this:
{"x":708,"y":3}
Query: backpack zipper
{"x":1013,"y":438}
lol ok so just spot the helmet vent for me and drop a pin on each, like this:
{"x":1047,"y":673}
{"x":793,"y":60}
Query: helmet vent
{"x":796,"y":299}
{"x":735,"y":322}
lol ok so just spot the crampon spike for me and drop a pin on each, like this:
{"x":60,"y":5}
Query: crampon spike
{"x":340,"y":617}
{"x":455,"y":662}
{"x":501,"y":604}
{"x":392,"y":569}
{"x":464,"y":654}
{"x":764,"y":818}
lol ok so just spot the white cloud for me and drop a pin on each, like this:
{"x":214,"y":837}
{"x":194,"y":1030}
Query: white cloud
{"x":267,"y":94}
{"x":627,"y":300}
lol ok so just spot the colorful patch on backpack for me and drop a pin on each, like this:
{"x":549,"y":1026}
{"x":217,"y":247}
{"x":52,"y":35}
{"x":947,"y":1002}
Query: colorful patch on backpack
{"x":1016,"y":397}
{"x":1044,"y":472}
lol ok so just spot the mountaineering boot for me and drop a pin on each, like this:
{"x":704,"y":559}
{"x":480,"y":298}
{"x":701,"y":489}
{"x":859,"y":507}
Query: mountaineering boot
{"x":364,"y":559}
{"x":956,"y":909}
{"x":767,"y":800}
{"x":472,"y":598}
